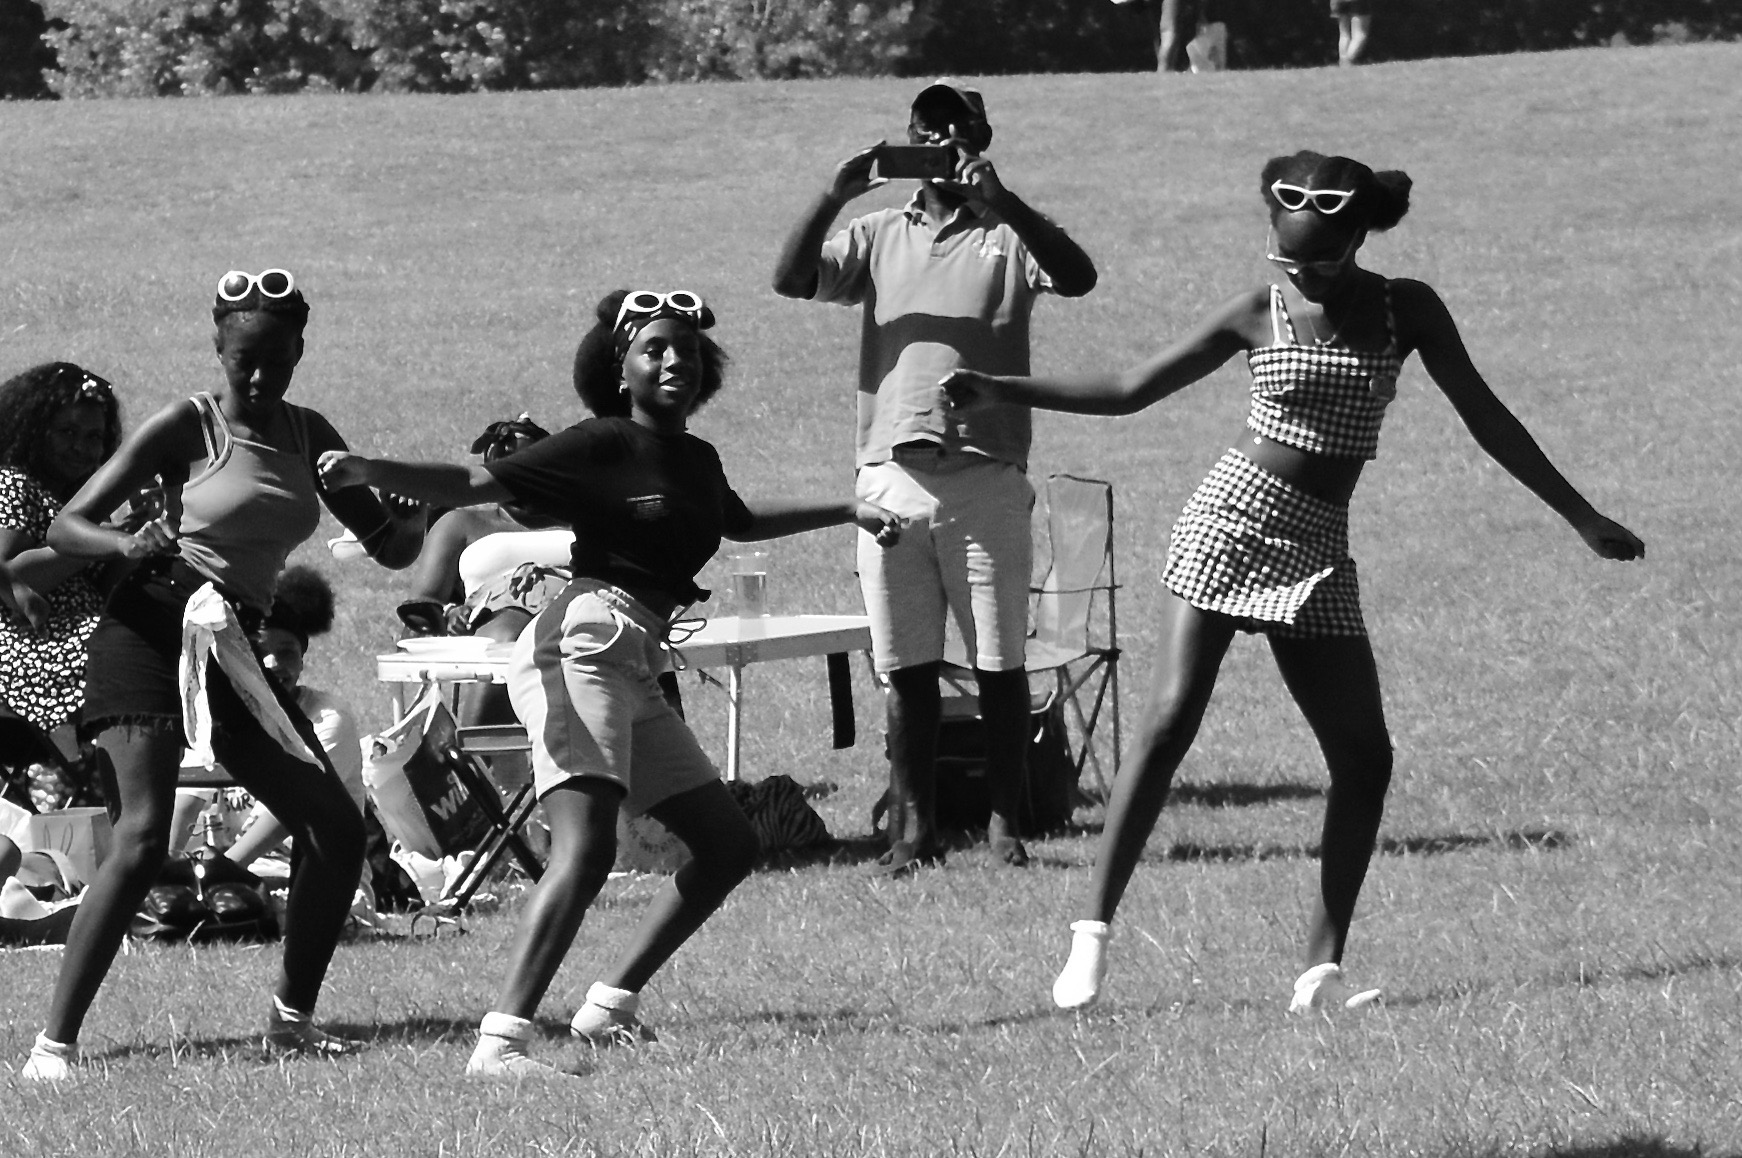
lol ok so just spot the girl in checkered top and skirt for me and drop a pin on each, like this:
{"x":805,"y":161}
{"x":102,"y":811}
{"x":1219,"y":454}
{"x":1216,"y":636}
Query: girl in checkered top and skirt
{"x":1263,"y":543}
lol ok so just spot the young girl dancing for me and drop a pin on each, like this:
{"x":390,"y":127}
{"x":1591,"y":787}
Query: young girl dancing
{"x":1263,"y":543}
{"x":648,"y":503}
{"x":237,"y":470}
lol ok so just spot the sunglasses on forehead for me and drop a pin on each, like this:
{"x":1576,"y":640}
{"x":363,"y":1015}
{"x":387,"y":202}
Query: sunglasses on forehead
{"x":647,"y":304}
{"x":272,"y":285}
{"x":1295,"y":197}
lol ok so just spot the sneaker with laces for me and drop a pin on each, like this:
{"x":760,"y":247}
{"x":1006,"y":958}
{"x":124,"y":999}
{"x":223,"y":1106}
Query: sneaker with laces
{"x":50,"y":1061}
{"x":290,"y":1031}
{"x":609,"y":1018}
{"x":1079,"y":982}
{"x":1322,"y":989}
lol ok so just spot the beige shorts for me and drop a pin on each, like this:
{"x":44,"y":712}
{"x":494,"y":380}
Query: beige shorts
{"x":583,"y":679}
{"x":965,"y":552}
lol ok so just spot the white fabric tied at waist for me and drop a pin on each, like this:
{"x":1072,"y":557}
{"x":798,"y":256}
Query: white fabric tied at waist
{"x":210,"y":632}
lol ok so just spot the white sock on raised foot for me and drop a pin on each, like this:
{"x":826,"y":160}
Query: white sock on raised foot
{"x":1079,"y":982}
{"x":50,"y":1060}
{"x":609,"y":1017}
{"x":502,"y":1050}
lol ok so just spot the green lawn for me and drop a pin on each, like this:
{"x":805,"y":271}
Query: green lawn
{"x":1554,"y":916}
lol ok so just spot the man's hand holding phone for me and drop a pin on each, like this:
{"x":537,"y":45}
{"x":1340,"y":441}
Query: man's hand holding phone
{"x":853,"y":176}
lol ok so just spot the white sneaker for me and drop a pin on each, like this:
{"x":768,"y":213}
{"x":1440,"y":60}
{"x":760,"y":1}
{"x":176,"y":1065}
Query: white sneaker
{"x":609,"y":1018}
{"x":288,"y":1031}
{"x":1322,"y":988}
{"x":1079,"y":982}
{"x":50,"y":1061}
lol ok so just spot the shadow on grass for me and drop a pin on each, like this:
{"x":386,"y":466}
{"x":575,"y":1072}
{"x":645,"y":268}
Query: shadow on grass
{"x":858,"y":1022}
{"x":1518,"y":840}
{"x":1240,"y":795}
{"x":1629,"y":1146}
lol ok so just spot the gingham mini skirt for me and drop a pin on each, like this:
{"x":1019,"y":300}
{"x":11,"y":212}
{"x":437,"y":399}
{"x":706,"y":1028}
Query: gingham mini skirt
{"x":1251,"y":546}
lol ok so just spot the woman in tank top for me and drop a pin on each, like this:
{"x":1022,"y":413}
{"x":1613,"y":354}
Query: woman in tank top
{"x":240,"y":492}
{"x":1263,"y":543}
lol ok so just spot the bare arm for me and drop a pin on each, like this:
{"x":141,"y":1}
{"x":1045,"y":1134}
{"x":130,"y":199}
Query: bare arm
{"x":1425,"y":325}
{"x":1071,"y":269}
{"x":390,"y":530}
{"x":775,"y":520}
{"x":795,"y":270}
{"x":437,"y":567}
{"x":43,"y":568}
{"x":1216,"y":339}
{"x":444,"y":484}
{"x":160,"y":449}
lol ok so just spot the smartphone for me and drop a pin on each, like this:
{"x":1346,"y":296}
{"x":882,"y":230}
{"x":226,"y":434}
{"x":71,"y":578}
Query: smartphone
{"x":921,"y":161}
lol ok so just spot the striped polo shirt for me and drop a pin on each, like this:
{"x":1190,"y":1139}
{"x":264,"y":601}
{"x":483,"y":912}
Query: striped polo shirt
{"x":933,"y":302}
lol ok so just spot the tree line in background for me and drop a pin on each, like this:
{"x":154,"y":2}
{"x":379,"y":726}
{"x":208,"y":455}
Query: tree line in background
{"x":92,"y":48}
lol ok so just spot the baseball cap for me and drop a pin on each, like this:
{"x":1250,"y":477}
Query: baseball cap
{"x":965,"y":95}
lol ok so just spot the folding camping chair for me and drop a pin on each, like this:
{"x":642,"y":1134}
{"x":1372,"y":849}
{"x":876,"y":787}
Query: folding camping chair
{"x":1074,"y":641}
{"x":472,"y":745}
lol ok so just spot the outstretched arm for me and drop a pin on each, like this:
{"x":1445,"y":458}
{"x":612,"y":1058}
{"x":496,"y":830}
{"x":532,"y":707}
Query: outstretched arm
{"x":1425,"y":324}
{"x":795,"y":271}
{"x":442,"y":483}
{"x":774,"y":520}
{"x":1216,"y":339}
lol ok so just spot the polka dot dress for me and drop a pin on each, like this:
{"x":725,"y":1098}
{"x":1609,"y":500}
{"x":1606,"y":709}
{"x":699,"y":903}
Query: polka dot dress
{"x":42,"y":673}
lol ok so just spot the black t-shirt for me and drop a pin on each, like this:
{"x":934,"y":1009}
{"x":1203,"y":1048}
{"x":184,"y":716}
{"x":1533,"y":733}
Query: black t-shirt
{"x":647,"y":509}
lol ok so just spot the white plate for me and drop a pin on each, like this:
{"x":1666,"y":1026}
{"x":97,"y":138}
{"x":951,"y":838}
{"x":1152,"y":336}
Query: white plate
{"x":447,"y":646}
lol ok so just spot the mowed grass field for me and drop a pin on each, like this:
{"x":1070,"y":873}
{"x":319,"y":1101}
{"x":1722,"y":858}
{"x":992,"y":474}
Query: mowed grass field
{"x":1554,"y":911}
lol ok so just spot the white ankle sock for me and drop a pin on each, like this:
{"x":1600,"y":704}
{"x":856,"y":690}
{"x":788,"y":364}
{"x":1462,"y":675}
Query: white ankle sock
{"x":62,"y":1049}
{"x":506,"y":1025}
{"x":610,"y":997}
{"x":1079,"y":982}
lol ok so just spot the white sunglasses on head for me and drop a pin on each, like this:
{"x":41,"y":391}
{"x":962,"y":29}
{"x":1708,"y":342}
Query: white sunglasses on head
{"x":1295,"y":197}
{"x":646,"y":303}
{"x":273,"y":284}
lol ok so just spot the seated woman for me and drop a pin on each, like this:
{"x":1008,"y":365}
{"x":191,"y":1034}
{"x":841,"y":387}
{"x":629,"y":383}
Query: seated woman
{"x":58,"y":424}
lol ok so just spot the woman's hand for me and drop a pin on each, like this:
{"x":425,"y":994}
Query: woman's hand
{"x":1610,"y":539}
{"x":880,"y":524}
{"x":155,"y":538}
{"x":340,"y":469}
{"x":24,"y":599}
{"x":967,"y":389}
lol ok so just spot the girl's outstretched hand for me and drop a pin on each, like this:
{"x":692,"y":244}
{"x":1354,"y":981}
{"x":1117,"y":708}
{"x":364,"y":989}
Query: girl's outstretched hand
{"x":966,"y":389}
{"x":882,"y":525}
{"x":1610,"y":539}
{"x":340,"y":469}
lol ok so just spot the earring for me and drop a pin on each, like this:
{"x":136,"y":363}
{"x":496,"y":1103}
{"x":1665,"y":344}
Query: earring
{"x":622,"y":387}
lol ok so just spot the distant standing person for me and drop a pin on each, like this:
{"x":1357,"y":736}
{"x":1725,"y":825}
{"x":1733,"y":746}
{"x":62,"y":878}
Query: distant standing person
{"x":1354,"y":21}
{"x":947,"y":281}
{"x":1263,"y":545}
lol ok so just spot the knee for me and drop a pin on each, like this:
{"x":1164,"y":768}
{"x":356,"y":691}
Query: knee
{"x":1363,"y":771}
{"x":139,"y":850}
{"x":733,"y":858}
{"x":583,"y":870}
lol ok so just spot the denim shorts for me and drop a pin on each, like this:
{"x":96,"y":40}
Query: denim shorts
{"x":584,"y":680}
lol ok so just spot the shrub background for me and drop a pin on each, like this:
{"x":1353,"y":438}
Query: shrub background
{"x":88,"y":48}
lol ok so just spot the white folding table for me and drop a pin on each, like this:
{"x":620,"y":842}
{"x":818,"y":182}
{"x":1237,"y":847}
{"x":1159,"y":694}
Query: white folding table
{"x":730,"y":642}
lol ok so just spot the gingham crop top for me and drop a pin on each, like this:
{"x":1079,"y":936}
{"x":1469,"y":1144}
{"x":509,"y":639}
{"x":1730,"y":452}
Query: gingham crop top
{"x":1320,"y":399}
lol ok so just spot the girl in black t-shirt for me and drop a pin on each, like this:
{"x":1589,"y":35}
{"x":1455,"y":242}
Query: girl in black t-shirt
{"x":649,"y":503}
